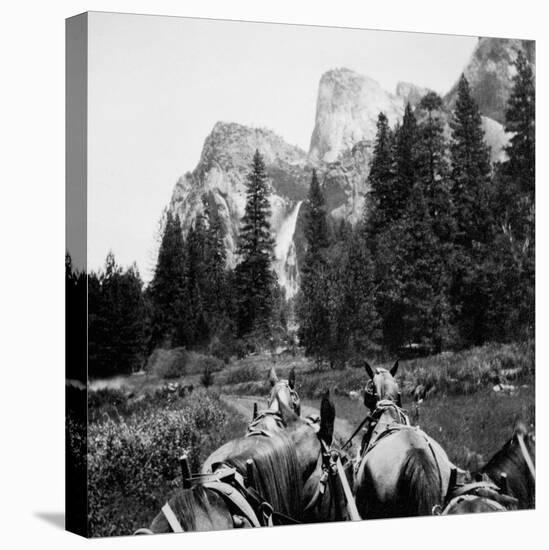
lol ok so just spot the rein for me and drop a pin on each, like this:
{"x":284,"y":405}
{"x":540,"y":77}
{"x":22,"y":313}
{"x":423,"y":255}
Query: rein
{"x":526,"y":456}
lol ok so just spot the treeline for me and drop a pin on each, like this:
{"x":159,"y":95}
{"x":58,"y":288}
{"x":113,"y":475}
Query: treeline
{"x":444,"y":257}
{"x":445,"y":254}
{"x":194,"y":299}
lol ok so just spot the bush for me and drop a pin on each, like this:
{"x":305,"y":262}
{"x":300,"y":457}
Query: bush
{"x":177,"y":362}
{"x":132,"y":461}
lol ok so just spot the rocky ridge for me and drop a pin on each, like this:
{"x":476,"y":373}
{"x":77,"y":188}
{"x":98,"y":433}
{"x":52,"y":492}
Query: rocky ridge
{"x":341,"y":149}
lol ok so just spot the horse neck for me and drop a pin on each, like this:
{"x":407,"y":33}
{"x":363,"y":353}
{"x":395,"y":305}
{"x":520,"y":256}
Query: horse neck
{"x":511,"y":462}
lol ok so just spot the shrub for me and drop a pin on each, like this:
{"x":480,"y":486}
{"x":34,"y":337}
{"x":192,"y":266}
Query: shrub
{"x":132,"y":461}
{"x":207,"y":377}
{"x":168,"y":363}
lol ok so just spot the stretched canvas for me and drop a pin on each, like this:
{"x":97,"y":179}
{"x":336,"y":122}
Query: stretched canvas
{"x":300,"y":274}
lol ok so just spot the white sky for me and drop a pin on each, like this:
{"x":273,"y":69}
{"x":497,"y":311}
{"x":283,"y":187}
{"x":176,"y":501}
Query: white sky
{"x":157,"y":85}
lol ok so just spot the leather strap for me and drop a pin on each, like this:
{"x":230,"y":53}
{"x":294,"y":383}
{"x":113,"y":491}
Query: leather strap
{"x":171,"y":518}
{"x":526,"y":455}
{"x":229,"y":493}
{"x":461,"y":498}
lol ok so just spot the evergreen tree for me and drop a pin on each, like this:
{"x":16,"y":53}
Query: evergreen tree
{"x":255,"y":278}
{"x":215,"y":284}
{"x":520,"y":121}
{"x":312,"y":303}
{"x":167,"y":290}
{"x":380,"y":178}
{"x":117,"y":320}
{"x":405,"y":162}
{"x":195,"y":331}
{"x":470,"y":176}
{"x":353,"y":296}
{"x":512,"y":257}
{"x":432,"y":166}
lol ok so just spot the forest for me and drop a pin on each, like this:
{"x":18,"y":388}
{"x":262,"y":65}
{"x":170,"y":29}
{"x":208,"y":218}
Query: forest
{"x":443,"y":258}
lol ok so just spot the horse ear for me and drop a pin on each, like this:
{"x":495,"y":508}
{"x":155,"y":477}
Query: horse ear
{"x":291,"y":378}
{"x":273,"y":378}
{"x":327,"y":419}
{"x":369,"y":370}
{"x":520,"y":428}
{"x":394,"y":368}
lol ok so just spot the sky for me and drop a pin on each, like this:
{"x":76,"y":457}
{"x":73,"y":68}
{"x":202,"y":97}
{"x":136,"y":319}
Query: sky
{"x":157,"y":85}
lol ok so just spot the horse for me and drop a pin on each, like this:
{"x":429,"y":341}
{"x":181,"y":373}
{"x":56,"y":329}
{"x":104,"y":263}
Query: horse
{"x":516,"y":461}
{"x":401,"y":471}
{"x":507,"y":482}
{"x":268,"y":476}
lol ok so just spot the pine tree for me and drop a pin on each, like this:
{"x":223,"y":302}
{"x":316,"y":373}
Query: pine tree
{"x":196,"y":329}
{"x":312,"y":303}
{"x":255,"y":278}
{"x":117,"y":320}
{"x":167,"y":290}
{"x":470,"y":177}
{"x":520,"y":120}
{"x":470,"y":173}
{"x":512,"y":259}
{"x":357,"y":319}
{"x":380,"y":178}
{"x":433,"y":170}
{"x":215,"y":284}
{"x":405,"y":162}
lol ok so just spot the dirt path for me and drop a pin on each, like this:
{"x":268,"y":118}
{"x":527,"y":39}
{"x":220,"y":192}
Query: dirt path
{"x":244,"y":405}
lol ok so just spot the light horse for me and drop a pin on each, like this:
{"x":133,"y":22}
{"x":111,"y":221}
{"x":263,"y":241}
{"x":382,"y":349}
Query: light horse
{"x":267,"y":477}
{"x":507,"y":482}
{"x":401,"y":471}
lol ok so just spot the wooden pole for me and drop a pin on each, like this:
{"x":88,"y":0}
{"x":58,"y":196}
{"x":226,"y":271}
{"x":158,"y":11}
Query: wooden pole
{"x":351,"y":505}
{"x":185,"y":471}
{"x":503,"y":483}
{"x":250,"y":480}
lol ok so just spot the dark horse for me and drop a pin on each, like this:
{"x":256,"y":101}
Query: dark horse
{"x":507,"y":482}
{"x":401,"y":471}
{"x":283,"y":454}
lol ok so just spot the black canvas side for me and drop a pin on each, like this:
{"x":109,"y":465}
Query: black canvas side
{"x":76,"y":494}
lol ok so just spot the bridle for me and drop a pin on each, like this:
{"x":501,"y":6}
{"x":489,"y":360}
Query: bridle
{"x":294,"y":397}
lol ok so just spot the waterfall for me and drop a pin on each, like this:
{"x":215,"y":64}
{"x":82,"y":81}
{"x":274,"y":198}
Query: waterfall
{"x":285,"y":254}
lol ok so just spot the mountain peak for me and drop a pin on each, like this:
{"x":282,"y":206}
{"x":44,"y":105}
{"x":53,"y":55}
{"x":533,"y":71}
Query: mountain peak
{"x":348,"y":105}
{"x":490,"y":74}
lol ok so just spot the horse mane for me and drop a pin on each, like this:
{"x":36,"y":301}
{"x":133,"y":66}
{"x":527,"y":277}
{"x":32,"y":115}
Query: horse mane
{"x":277,"y":475}
{"x":418,"y":488}
{"x":509,"y":460}
{"x":188,"y":504}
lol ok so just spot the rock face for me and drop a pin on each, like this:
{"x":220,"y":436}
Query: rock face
{"x":220,"y":177}
{"x":347,"y":108}
{"x":490,"y":72}
{"x":341,"y":150}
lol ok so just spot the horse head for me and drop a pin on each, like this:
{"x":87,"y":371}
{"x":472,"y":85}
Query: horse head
{"x":283,"y":393}
{"x":381,"y":386}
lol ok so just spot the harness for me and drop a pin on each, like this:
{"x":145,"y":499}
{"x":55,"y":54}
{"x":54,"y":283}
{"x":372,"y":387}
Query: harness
{"x":378,"y":431}
{"x":244,"y":501}
{"x":485,"y":489}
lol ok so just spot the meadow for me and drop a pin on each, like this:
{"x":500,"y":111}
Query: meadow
{"x":139,"y":428}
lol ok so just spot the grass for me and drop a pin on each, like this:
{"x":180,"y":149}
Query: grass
{"x":468,"y":427}
{"x":137,"y":432}
{"x":449,"y":373}
{"x":463,"y":413}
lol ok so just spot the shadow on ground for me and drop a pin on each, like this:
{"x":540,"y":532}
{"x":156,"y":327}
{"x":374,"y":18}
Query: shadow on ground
{"x":57,"y":519}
